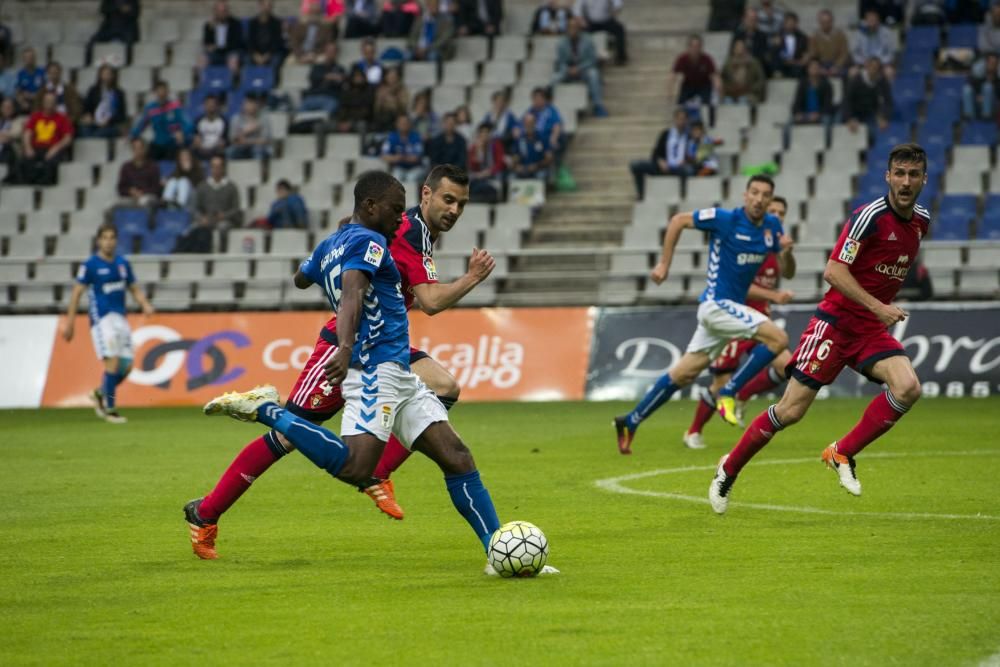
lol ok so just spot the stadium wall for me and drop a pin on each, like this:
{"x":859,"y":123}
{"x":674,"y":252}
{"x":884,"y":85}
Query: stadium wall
{"x":497,"y":354}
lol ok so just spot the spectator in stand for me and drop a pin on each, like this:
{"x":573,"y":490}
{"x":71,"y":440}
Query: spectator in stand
{"x":309,"y":36}
{"x":602,"y":16}
{"x":697,"y":80}
{"x":576,"y":60}
{"x":104,"y":113}
{"x":357,"y":103}
{"x":217,"y":200}
{"x":432,"y":36}
{"x":814,"y":98}
{"x":403,"y":151}
{"x":873,"y":40}
{"x":917,"y":286}
{"x":868,"y":98}
{"x":11,"y":129}
{"x":789,"y":48}
{"x":479,"y":17}
{"x":266,"y":39}
{"x":669,"y":155}
{"x":6,"y":46}
{"x":502,"y":121}
{"x":288,"y":210}
{"x":769,"y":18}
{"x":989,"y":31}
{"x":701,"y":159}
{"x":249,"y":133}
{"x":326,"y":79}
{"x":222,"y":38}
{"x":829,"y":45}
{"x":547,"y":120}
{"x":171,"y":127}
{"x":743,"y":78}
{"x":486,"y":165}
{"x":67,"y":99}
{"x":391,"y":99}
{"x":369,"y":62}
{"x":533,"y":155}
{"x":423,"y":117}
{"x":119,"y":22}
{"x":362,"y":19}
{"x":46,"y":138}
{"x":889,"y":12}
{"x":552,"y":18}
{"x":979,"y":94}
{"x":180,"y":187}
{"x":30,"y":79}
{"x":756,"y":41}
{"x":139,"y":178}
{"x":211,"y":131}
{"x":397,"y":17}
{"x":463,"y":122}
{"x":447,"y":147}
{"x":329,"y":10}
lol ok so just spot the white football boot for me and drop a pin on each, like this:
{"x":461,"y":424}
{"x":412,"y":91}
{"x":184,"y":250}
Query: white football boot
{"x":242,"y":405}
{"x":718,"y":490}
{"x":844,"y":466}
{"x":694,"y":441}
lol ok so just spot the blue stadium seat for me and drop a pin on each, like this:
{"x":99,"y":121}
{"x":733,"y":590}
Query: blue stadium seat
{"x":172,"y":220}
{"x":989,"y":227}
{"x":943,"y":110}
{"x":216,"y":79}
{"x":979,"y":133}
{"x":949,"y":86}
{"x":127,"y":242}
{"x":159,"y":242}
{"x":992,"y":203}
{"x":922,"y":38}
{"x":167,"y":168}
{"x":936,"y":137}
{"x":895,"y":133}
{"x":919,"y":62}
{"x":930,"y":192}
{"x":195,"y":105}
{"x":872,"y":184}
{"x":963,"y":36}
{"x":909,"y":88}
{"x":131,"y":221}
{"x":234,"y":103}
{"x":257,"y":80}
{"x":954,"y":216}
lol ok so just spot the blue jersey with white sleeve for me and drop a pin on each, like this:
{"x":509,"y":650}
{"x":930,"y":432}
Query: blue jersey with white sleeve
{"x":737,"y":247}
{"x":107,"y":282}
{"x":383,"y":329}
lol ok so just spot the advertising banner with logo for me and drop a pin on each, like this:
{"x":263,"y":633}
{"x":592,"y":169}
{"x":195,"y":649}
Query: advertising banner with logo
{"x":955,"y":349}
{"x":186,"y":359}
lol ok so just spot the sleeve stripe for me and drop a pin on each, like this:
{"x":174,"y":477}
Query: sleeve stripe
{"x":864,"y":218}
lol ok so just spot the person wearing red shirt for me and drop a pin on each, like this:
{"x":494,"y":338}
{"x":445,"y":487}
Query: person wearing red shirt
{"x":486,"y":165}
{"x":867,"y":267}
{"x":47,"y":135}
{"x":697,"y":76}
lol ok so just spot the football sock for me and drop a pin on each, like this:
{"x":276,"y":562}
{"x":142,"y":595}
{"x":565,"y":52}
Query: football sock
{"x":248,"y":465}
{"x":702,"y":413}
{"x":473,"y":502}
{"x":316,"y":443}
{"x":761,"y":383}
{"x":108,"y":385}
{"x":880,"y":415}
{"x":760,"y":357}
{"x":659,"y":394}
{"x":760,"y":432}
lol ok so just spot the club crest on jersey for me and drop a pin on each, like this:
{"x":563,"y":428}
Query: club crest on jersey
{"x":850,"y":251}
{"x":374,"y":254}
{"x":814,"y":366}
{"x":387,"y":416}
{"x":903,"y":259}
{"x":430,"y":268}
{"x":768,"y":238}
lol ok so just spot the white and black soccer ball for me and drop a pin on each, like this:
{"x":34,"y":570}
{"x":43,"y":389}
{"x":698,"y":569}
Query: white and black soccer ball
{"x":518,"y":549}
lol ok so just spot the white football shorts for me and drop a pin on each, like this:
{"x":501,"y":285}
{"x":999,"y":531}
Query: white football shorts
{"x":389,"y":400}
{"x":112,"y":337}
{"x":720,"y":322}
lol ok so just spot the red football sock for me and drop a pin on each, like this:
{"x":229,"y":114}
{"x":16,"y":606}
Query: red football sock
{"x":759,"y":384}
{"x":880,"y":415}
{"x":759,"y":433}
{"x":393,"y":456}
{"x":702,"y":414}
{"x":248,"y":465}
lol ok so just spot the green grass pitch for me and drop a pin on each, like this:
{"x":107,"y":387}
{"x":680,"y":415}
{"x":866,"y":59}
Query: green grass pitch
{"x":97,"y":568}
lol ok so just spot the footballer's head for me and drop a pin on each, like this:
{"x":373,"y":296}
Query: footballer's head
{"x":107,"y":239}
{"x":759,"y":192}
{"x":778,"y":207}
{"x":443,"y":197}
{"x":379,"y":202}
{"x":906,"y":174}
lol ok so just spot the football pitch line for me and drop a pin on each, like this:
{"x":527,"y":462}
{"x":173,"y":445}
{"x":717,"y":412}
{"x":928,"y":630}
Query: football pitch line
{"x":616,"y":485}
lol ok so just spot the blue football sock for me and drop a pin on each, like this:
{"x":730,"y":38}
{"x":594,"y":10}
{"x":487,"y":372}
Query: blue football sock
{"x":760,"y":357}
{"x":659,"y":394}
{"x":108,"y":385}
{"x":319,"y":445}
{"x":473,"y":501}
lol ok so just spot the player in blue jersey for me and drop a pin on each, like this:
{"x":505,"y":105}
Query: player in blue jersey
{"x":106,"y":276}
{"x":372,"y":364}
{"x":740,"y":240}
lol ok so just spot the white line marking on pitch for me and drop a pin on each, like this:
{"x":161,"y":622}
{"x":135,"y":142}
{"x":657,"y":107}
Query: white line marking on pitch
{"x":992,"y":661}
{"x":614,"y":485}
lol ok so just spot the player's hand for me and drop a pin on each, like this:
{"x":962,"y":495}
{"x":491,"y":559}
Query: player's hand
{"x":889,"y":314}
{"x":481,"y":264}
{"x":659,"y":273}
{"x":784,"y":296}
{"x":67,"y":331}
{"x":147,"y":309}
{"x":335,"y":369}
{"x":786,"y":242}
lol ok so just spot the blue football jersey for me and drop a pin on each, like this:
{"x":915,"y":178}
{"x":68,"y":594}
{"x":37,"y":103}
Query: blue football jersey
{"x":736,"y":250}
{"x":383,"y":330}
{"x":107,"y":282}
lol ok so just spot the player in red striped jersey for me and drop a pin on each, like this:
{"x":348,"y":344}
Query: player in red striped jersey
{"x":850,"y":328}
{"x":443,"y":198}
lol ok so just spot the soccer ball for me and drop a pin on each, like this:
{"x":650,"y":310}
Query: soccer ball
{"x":518,"y":549}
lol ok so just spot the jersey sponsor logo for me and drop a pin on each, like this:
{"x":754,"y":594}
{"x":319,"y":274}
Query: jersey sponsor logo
{"x":159,"y":363}
{"x":430,"y":268}
{"x":895,"y":271}
{"x":743,"y":237}
{"x":374,"y":253}
{"x":487,"y":360}
{"x":768,"y":238}
{"x":750,"y":258}
{"x":103,"y":271}
{"x":850,"y":251}
{"x":116,"y":286}
{"x":706,"y":214}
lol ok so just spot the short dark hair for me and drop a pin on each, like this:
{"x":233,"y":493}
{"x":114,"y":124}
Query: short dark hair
{"x":106,"y":227}
{"x":453,"y":173}
{"x":908,"y":152}
{"x":283,"y":183}
{"x":160,"y":83}
{"x":541,"y":90}
{"x":761,"y":178}
{"x":781,"y":200}
{"x":373,"y":184}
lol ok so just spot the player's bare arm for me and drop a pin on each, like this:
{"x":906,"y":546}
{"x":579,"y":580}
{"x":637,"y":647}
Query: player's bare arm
{"x":140,"y":298}
{"x":839,"y":276}
{"x":678,"y":224}
{"x":436,"y":297}
{"x":301,"y":280}
{"x":71,"y":310}
{"x":355,"y":284}
{"x":786,"y":260}
{"x":780,"y":296}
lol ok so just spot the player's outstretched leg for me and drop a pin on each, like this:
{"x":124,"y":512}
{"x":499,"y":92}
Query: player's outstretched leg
{"x":702,"y":414}
{"x":626,"y":425}
{"x":773,"y":341}
{"x":203,"y":533}
{"x":115,"y":371}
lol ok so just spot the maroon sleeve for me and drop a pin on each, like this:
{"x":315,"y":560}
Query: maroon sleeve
{"x":414,"y":268}
{"x":678,"y":67}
